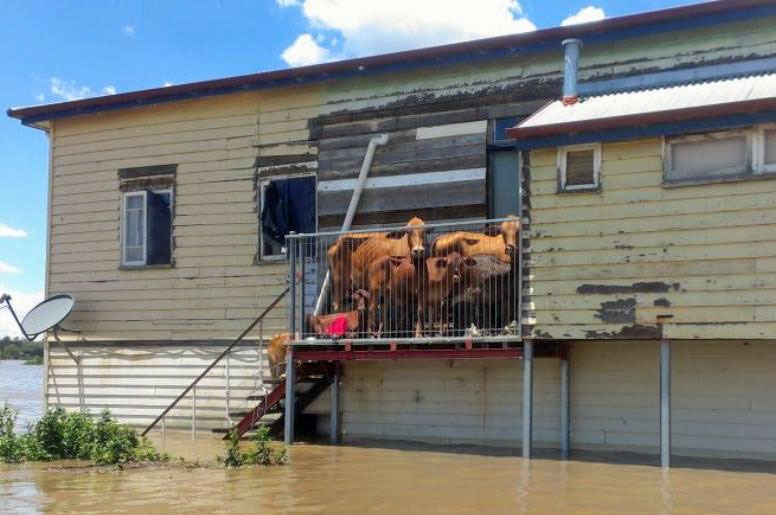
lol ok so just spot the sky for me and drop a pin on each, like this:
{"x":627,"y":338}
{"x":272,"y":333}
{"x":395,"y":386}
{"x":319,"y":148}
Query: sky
{"x":58,"y":51}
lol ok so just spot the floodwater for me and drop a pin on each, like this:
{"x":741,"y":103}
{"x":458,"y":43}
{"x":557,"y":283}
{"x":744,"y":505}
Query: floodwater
{"x":368,"y":479}
{"x":21,"y":387}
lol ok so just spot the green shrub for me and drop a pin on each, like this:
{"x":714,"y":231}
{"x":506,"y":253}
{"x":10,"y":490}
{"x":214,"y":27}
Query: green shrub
{"x":12,"y":351}
{"x":260,"y":453}
{"x":62,"y":435}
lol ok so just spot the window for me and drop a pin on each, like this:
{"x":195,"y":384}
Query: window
{"x":579,"y":167}
{"x":287,"y":204}
{"x":708,"y":156}
{"x":147,"y":228}
{"x":766,"y":150}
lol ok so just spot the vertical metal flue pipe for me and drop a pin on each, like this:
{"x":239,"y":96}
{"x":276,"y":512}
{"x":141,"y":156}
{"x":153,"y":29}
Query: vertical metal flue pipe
{"x":570,"y":70}
{"x":379,"y":140}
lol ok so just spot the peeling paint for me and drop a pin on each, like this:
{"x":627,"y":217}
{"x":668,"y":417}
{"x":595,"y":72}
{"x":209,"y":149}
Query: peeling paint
{"x":630,"y":332}
{"x":662,"y":302}
{"x":617,"y":311}
{"x":638,"y":287}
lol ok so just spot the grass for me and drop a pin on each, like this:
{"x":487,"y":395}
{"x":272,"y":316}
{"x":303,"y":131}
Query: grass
{"x":61,"y":435}
{"x":259,"y":453}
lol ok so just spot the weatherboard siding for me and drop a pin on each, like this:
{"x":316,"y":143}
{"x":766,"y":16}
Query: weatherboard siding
{"x":222,"y":145}
{"x":606,"y":264}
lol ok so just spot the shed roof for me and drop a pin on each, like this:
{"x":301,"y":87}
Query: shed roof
{"x":740,"y":95}
{"x":678,"y":18}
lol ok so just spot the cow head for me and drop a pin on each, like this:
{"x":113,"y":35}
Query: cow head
{"x":360,"y":299}
{"x":509,"y":230}
{"x":415,"y":232}
{"x":416,"y":237}
{"x":450,"y":266}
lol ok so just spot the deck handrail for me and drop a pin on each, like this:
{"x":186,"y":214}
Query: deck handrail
{"x":215,"y":362}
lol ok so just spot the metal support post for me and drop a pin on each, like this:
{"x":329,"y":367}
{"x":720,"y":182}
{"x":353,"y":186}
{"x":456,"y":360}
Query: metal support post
{"x":665,"y":403}
{"x":527,"y":397}
{"x":565,"y":406}
{"x":291,"y":242}
{"x":334,"y":431}
{"x":290,"y":412}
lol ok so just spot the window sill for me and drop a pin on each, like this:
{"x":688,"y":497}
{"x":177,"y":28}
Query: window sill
{"x":586,"y":189}
{"x":274,"y":260}
{"x":146,"y":267}
{"x":720,"y":180}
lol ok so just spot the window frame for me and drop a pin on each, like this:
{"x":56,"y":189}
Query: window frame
{"x":262,"y":184}
{"x":714,"y":175}
{"x":758,"y":150}
{"x":144,"y":195}
{"x":562,"y":163}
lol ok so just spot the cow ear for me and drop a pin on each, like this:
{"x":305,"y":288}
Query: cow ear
{"x":396,"y":235}
{"x":492,"y":230}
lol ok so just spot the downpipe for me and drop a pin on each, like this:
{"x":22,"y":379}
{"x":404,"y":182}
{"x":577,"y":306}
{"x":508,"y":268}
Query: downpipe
{"x":376,"y":141}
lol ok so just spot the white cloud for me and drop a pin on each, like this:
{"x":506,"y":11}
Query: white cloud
{"x":167,"y":84}
{"x":585,"y":15}
{"x":129,"y":30}
{"x":9,"y":232}
{"x":5,"y":268}
{"x":287,"y":3}
{"x":22,"y":303}
{"x":40,"y":97}
{"x":70,"y":90}
{"x":305,"y":50}
{"x":366,"y":27}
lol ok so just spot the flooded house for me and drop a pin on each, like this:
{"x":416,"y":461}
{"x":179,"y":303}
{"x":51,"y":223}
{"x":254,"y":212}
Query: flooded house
{"x":637,"y":154}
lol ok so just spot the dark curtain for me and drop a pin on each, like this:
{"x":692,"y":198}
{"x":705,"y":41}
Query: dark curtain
{"x":289,"y":205}
{"x":159,"y":228}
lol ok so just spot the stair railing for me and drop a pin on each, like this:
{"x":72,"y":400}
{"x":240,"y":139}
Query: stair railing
{"x":213,"y":364}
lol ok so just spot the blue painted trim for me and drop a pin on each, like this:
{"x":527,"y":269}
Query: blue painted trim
{"x":662,"y":129}
{"x":548,"y":45}
{"x":680,"y":76}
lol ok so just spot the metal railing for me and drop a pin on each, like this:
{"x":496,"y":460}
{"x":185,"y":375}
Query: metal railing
{"x":415,"y":282}
{"x":193,"y":386}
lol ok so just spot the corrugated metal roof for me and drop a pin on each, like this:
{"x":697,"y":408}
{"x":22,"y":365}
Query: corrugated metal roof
{"x":651,"y":101}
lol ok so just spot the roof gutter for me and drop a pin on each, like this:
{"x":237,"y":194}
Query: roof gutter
{"x":679,"y":18}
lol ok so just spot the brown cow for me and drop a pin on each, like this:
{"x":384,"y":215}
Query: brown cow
{"x":356,"y":320}
{"x":409,"y":241}
{"x":391,"y":282}
{"x":339,"y":256}
{"x":400,"y":286}
{"x":276,"y":352}
{"x":500,"y":241}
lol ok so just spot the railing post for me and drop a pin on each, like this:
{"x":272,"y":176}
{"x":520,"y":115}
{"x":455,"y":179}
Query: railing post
{"x":194,"y":413}
{"x":291,"y":243}
{"x":290,"y":411}
{"x":227,"y":393}
{"x":300,"y":253}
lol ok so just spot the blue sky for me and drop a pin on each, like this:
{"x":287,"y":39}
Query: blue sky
{"x":55,"y":51}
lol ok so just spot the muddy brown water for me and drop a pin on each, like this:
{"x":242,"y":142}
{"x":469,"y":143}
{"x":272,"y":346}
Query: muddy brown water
{"x":368,"y":479}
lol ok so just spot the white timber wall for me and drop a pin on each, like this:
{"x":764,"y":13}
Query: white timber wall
{"x":723,"y":403}
{"x":138,"y":381}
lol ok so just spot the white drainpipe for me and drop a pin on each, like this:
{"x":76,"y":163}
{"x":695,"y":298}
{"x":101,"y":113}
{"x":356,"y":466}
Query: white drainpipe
{"x":379,"y":140}
{"x":570,"y":70}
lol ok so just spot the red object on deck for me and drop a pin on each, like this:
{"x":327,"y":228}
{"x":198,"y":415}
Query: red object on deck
{"x":339,"y":327}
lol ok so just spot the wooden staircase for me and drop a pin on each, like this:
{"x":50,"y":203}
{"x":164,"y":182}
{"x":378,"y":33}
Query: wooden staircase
{"x":318,"y":375}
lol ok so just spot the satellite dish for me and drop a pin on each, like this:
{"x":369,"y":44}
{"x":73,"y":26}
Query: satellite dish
{"x":44,"y":316}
